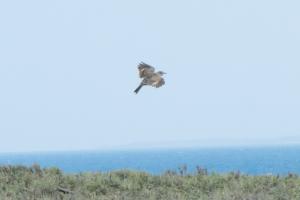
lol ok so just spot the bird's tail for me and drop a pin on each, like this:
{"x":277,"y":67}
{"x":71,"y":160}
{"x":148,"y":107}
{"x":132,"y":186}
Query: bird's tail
{"x":138,"y":88}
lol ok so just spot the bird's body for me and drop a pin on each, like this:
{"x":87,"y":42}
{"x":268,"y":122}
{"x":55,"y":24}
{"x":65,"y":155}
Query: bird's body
{"x":149,"y":76}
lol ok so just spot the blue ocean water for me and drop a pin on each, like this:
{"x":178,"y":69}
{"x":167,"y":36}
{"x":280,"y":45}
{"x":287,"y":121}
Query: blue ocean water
{"x":247,"y":160}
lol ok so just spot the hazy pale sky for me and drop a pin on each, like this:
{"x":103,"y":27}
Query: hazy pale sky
{"x":68,"y":70}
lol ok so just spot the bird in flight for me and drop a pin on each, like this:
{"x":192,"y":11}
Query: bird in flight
{"x":149,"y":76}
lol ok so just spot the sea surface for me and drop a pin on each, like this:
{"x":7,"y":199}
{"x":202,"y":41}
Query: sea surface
{"x":247,"y":160}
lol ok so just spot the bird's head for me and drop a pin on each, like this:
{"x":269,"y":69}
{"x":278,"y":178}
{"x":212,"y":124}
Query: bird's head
{"x":161,"y":73}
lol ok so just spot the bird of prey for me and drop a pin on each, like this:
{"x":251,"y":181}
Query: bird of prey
{"x":149,"y":76}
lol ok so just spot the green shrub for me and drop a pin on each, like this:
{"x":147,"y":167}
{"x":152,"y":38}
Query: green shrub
{"x":19,"y":182}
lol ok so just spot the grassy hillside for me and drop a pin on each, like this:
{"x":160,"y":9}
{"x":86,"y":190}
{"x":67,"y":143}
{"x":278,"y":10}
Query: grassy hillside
{"x":19,"y":182}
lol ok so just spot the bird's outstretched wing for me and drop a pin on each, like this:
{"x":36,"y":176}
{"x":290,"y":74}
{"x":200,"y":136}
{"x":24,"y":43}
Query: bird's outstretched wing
{"x":145,"y":70}
{"x":156,"y":81}
{"x":159,"y":83}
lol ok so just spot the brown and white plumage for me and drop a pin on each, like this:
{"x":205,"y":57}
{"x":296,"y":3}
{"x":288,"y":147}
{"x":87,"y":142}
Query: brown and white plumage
{"x":145,"y":70}
{"x":150,"y":77}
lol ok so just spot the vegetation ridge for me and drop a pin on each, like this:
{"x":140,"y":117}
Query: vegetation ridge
{"x":28,"y":183}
